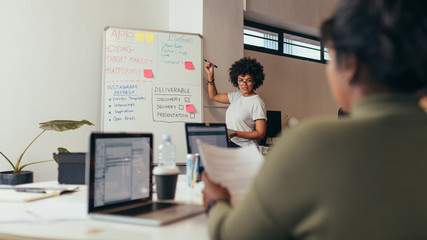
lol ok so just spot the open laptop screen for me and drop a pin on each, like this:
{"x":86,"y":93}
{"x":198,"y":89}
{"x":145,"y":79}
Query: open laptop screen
{"x":213,"y":134}
{"x":120,"y":168}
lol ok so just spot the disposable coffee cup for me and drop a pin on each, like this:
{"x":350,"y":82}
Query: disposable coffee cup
{"x":166,"y":179}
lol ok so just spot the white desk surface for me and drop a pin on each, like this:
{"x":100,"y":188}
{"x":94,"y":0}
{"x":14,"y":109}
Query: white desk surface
{"x":65,"y":217}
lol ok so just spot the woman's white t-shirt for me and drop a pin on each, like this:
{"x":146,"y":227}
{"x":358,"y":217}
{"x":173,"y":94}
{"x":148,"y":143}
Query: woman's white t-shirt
{"x":242,"y":114}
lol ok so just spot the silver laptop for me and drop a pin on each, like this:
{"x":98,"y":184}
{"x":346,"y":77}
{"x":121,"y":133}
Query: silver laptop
{"x":120,"y":182}
{"x":210,"y":133}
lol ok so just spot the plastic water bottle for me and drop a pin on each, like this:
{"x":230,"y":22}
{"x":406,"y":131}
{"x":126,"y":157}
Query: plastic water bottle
{"x":166,"y":154}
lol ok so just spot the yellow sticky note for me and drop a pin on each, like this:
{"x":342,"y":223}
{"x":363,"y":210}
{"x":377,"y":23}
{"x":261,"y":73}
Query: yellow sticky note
{"x":140,"y":37}
{"x":149,"y":37}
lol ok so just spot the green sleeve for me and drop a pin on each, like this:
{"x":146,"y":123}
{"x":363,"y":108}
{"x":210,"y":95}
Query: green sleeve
{"x":226,"y":222}
{"x":280,"y":195}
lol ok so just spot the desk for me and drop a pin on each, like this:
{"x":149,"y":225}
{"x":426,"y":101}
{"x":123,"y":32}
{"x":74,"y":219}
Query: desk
{"x":73,"y":223}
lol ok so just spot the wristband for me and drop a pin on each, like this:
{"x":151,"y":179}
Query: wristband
{"x":211,"y":82}
{"x":215,"y":201}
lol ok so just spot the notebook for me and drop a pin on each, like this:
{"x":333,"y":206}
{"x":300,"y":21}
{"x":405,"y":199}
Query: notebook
{"x":120,"y":182}
{"x":209,"y":133}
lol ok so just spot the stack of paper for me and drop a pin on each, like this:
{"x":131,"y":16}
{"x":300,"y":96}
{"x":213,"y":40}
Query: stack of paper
{"x":27,"y":194}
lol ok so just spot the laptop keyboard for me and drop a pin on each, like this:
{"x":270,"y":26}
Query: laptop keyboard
{"x":145,"y":209}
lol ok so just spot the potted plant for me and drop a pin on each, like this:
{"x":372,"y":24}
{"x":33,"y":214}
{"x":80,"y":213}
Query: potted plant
{"x":17,"y":176}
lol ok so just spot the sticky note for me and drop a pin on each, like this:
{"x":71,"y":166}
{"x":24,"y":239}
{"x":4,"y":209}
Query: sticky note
{"x":189,"y":65}
{"x":140,"y":37}
{"x":148,"y":73}
{"x":189,"y":108}
{"x":149,"y":37}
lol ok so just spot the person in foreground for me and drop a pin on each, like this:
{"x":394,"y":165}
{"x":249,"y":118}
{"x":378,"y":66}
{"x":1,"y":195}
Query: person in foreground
{"x":362,"y":177}
{"x":246,"y":114}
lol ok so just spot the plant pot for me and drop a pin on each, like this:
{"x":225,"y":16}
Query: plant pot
{"x":9,"y":178}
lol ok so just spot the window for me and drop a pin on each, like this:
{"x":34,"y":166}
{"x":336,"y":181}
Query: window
{"x":263,"y":38}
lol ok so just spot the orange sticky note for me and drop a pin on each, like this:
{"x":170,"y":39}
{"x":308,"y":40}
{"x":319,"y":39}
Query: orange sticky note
{"x":189,"y":108}
{"x":189,"y":65}
{"x":148,"y":73}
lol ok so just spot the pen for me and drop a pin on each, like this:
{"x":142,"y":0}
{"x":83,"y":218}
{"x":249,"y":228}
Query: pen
{"x":212,"y":63}
{"x":31,"y":190}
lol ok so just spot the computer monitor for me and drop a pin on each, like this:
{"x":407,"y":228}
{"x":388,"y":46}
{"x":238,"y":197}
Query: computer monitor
{"x":274,"y":125}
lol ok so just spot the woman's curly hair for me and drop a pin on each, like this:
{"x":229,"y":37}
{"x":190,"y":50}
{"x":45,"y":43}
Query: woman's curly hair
{"x":245,"y":66}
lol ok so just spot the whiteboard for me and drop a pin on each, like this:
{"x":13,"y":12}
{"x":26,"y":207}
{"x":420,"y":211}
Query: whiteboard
{"x":152,"y":83}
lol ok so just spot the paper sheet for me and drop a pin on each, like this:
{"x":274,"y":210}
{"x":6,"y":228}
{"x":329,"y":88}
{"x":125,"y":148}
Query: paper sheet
{"x":56,"y":211}
{"x":45,"y":211}
{"x":13,"y":196}
{"x":9,"y":193}
{"x":234,"y":168}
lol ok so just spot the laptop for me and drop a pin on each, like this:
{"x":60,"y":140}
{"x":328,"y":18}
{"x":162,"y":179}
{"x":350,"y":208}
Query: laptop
{"x":120,"y":182}
{"x":210,"y":133}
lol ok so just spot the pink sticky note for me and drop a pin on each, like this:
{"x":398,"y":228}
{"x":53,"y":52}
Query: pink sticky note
{"x":189,"y":108}
{"x":148,"y":73}
{"x":189,"y":65}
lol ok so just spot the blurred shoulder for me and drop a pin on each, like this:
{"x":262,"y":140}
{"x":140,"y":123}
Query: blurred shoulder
{"x":317,"y":135}
{"x":317,"y":126}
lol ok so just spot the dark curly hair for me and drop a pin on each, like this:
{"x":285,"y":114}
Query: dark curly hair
{"x":245,"y":66}
{"x":388,"y":37}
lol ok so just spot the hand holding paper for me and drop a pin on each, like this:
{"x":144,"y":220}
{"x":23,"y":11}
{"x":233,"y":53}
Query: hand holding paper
{"x":233,"y":168}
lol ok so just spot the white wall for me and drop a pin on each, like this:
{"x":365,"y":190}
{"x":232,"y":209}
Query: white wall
{"x":186,"y":16}
{"x":51,"y":67}
{"x":298,"y":15}
{"x":223,"y":45}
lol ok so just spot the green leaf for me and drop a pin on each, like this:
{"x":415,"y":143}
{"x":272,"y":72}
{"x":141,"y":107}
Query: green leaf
{"x":63,"y":150}
{"x":13,"y":166}
{"x":31,"y":163}
{"x":64,"y":125}
{"x":60,"y":150}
